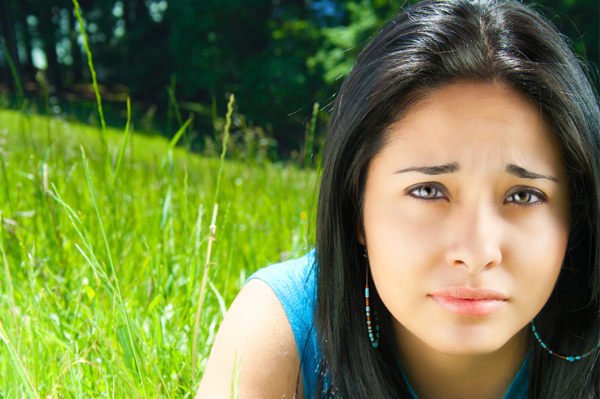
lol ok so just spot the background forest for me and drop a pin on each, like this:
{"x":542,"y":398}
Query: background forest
{"x":186,"y":56}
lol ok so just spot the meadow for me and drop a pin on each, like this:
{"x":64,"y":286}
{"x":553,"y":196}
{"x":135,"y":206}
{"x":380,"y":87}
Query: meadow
{"x":120,"y":254}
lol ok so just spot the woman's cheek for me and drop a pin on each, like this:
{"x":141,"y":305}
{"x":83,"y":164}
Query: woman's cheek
{"x":403,"y":235}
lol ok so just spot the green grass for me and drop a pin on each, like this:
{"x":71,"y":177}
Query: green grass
{"x":100,"y":282}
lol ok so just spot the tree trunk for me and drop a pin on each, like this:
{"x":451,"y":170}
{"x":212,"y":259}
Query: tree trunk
{"x":28,"y":70}
{"x":76,"y":53}
{"x":47,"y":31}
{"x":8,"y":34}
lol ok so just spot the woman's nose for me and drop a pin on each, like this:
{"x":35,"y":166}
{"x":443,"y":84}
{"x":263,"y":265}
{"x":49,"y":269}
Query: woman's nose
{"x":474,"y":240}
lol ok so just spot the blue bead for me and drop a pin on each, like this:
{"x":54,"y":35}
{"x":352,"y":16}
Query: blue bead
{"x":570,"y":358}
{"x":543,"y":345}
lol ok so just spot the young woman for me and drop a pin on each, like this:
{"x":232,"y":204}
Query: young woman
{"x":457,"y":230}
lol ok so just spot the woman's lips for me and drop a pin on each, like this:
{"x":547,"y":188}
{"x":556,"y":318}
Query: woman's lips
{"x":469,"y":302}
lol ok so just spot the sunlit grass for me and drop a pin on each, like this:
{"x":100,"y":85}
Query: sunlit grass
{"x":98,"y":299}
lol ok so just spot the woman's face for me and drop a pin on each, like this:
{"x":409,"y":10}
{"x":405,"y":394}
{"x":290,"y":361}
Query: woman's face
{"x":466,"y":218}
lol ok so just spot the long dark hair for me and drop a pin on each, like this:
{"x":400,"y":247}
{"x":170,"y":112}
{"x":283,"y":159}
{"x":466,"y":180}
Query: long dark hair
{"x":436,"y":42}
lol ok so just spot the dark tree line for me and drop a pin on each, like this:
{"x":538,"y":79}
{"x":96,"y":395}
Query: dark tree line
{"x":277,"y":56}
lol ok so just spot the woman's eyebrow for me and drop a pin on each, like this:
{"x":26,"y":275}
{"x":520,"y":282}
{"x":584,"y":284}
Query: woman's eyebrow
{"x":526,"y":174}
{"x":454,"y":167}
{"x":432,"y":170}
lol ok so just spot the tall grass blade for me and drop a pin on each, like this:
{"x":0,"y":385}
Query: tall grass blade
{"x":82,"y":233}
{"x":165,"y":209}
{"x":169,"y":161}
{"x":220,"y":299}
{"x":225,"y":140}
{"x":107,"y":166}
{"x":112,"y":267}
{"x":90,"y":65}
{"x":234,"y":392}
{"x":5,"y":181}
{"x":179,"y":133}
{"x":8,"y":278}
{"x":173,"y":101}
{"x":213,"y":229}
{"x":14,"y":356}
{"x":123,"y":145}
{"x":309,"y":141}
{"x":123,"y":340}
{"x":194,"y":261}
{"x":13,"y":70}
{"x":185,"y":208}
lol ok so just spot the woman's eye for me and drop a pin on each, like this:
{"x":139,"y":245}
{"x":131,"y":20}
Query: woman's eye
{"x":427,"y":192}
{"x":525,"y":197}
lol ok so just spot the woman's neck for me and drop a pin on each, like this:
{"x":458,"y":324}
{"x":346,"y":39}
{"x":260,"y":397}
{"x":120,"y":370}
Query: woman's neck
{"x":436,"y":375}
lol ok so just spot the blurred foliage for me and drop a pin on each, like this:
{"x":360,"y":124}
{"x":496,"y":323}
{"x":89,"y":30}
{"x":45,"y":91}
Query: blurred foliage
{"x":277,"y":56}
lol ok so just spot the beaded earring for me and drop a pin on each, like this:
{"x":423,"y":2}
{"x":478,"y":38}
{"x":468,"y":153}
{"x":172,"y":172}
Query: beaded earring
{"x":569,"y":358}
{"x":373,"y":333}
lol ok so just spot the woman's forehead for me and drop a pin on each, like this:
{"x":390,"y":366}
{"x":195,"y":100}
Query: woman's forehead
{"x":473,"y":122}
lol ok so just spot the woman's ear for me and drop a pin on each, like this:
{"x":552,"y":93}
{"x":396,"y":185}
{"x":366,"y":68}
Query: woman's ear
{"x":360,"y":237}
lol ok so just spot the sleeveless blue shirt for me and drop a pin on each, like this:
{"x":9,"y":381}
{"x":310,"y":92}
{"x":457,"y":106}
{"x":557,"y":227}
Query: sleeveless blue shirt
{"x":294,"y":284}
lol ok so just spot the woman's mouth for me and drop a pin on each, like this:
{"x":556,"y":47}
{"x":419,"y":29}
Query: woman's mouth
{"x":468,"y":301}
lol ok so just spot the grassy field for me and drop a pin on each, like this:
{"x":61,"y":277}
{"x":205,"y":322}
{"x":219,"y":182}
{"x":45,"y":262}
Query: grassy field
{"x":101,"y":283}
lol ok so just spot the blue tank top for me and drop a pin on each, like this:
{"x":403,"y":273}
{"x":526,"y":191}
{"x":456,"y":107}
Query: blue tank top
{"x":294,"y":283}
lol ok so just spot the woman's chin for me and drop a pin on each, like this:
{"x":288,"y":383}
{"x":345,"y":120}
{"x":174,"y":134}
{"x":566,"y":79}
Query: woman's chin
{"x":473,"y":342}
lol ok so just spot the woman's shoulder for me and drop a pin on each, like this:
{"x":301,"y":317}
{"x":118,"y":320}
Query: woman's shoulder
{"x":297,"y":270}
{"x":293,"y":281}
{"x":267,"y":321}
{"x":294,"y":284}
{"x":257,"y":340}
